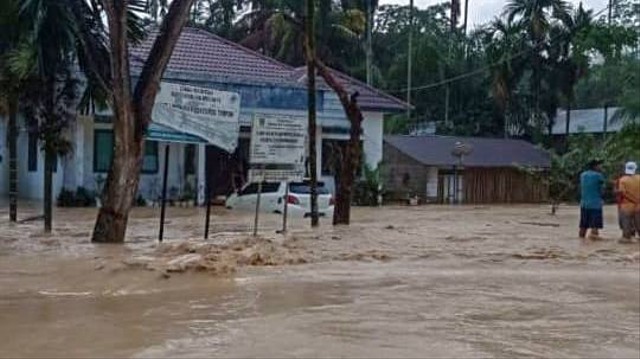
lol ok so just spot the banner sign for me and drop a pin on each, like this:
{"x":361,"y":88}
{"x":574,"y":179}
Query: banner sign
{"x":161,"y":133}
{"x":278,"y":139}
{"x":209,"y":114}
{"x":295,"y":174}
{"x":278,"y":148}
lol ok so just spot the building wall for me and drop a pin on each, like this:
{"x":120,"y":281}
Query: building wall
{"x":77,"y":170}
{"x":150,"y":186}
{"x":404,"y":176}
{"x":503,"y":185}
{"x":31,"y":183}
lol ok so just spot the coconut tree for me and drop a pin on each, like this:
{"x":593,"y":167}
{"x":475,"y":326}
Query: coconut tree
{"x":44,"y":57}
{"x":503,"y":42}
{"x":9,"y":94}
{"x":536,"y":17}
{"x":275,"y":29}
{"x":573,"y":43}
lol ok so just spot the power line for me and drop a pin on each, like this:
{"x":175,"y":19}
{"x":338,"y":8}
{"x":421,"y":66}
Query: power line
{"x":480,"y":70}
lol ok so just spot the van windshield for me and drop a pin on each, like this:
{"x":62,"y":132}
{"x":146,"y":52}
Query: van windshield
{"x":305,"y":188}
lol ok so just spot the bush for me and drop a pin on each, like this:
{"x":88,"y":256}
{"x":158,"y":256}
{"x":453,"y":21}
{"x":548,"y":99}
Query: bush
{"x":140,"y":201}
{"x":368,"y":189}
{"x":81,"y":197}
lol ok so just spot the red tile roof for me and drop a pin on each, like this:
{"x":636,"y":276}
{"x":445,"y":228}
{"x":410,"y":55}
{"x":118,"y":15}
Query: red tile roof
{"x":201,"y":53}
{"x":370,"y":98}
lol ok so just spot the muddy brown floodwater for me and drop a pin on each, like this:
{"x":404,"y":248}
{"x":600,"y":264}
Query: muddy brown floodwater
{"x":400,"y":282}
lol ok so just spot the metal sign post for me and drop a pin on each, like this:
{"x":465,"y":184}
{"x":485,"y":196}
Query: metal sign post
{"x":208,"y":216}
{"x":277,"y":154}
{"x":255,"y":222}
{"x":286,"y":208}
{"x":193,"y":114}
{"x":164,"y":192}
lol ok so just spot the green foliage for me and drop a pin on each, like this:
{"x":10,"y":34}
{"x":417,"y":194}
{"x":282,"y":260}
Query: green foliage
{"x":140,"y":201}
{"x":538,"y":58}
{"x":614,"y":151}
{"x":368,"y":190}
{"x":81,"y":197}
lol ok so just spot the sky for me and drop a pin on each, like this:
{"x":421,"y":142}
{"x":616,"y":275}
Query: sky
{"x":481,"y":11}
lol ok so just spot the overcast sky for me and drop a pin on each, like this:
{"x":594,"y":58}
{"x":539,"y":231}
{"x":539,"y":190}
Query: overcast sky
{"x":481,"y":11}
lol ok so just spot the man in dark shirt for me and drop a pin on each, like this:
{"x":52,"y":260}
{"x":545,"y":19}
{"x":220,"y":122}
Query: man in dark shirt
{"x":591,"y":183}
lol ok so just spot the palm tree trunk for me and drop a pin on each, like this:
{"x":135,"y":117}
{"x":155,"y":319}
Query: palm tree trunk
{"x":369,"y":42}
{"x":12,"y":135}
{"x":311,"y":98}
{"x":49,"y":159}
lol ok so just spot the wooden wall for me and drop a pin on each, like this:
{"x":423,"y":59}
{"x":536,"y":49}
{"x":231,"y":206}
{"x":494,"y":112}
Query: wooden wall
{"x":502,"y":185}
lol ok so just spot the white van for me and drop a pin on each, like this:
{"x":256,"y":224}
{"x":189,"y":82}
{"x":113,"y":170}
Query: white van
{"x":273,"y":198}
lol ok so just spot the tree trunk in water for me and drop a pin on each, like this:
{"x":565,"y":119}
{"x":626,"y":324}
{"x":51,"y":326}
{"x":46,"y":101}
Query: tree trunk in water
{"x":12,"y":135}
{"x":311,"y":98}
{"x":119,"y":191}
{"x":49,"y":159}
{"x":351,"y":158}
{"x":132,"y":113}
{"x":349,"y":166}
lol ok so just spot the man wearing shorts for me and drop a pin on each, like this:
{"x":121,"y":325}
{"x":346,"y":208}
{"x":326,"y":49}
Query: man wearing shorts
{"x":591,"y":182}
{"x":629,"y":192}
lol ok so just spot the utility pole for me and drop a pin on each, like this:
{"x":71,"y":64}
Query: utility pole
{"x":466,"y":16}
{"x":369,"y":44}
{"x":409,"y":62}
{"x":311,"y":104}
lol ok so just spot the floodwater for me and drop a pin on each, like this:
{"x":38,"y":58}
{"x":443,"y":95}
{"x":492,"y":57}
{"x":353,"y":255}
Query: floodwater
{"x":400,"y":282}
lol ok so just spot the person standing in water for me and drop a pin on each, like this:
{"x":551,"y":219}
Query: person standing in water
{"x":591,"y":184}
{"x":629,"y":192}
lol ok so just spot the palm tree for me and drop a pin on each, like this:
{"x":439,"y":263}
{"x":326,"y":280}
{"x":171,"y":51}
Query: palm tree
{"x":574,"y":61}
{"x":58,"y":35}
{"x":9,"y":94}
{"x":536,"y":17}
{"x":45,"y":57}
{"x":275,"y":29}
{"x":503,"y":42}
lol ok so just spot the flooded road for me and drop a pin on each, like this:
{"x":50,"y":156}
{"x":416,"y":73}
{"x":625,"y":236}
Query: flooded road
{"x":400,"y":282}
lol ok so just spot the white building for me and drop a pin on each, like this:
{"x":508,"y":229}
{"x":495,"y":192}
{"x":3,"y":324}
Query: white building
{"x":201,"y":59}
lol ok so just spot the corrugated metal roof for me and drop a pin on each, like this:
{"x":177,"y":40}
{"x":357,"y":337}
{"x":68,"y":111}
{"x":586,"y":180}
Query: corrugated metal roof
{"x":587,"y":121}
{"x":487,"y":152}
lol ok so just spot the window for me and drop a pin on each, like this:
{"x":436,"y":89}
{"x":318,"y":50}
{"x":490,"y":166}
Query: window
{"x":150,"y":162}
{"x":33,"y":152}
{"x":270,"y":187}
{"x":190,"y":160}
{"x":305,"y":188}
{"x":102,"y":150}
{"x":103,"y":144}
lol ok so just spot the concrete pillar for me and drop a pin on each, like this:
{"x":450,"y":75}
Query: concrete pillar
{"x":319,"y":151}
{"x":201,"y":172}
{"x":79,"y":153}
{"x":372,"y":129}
